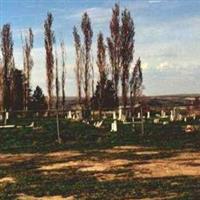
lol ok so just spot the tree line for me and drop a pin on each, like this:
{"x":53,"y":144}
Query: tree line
{"x":119,"y":48}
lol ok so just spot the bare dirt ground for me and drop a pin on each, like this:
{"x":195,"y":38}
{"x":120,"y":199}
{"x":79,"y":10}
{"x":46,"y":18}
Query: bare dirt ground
{"x":121,"y":172}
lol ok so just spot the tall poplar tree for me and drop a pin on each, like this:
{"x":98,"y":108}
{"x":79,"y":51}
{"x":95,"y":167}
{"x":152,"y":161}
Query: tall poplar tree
{"x":57,"y":84}
{"x":63,"y":78}
{"x":114,"y":46}
{"x":8,"y":64}
{"x":49,"y":41}
{"x":88,"y":33}
{"x":101,"y":63}
{"x":28,"y":64}
{"x":135,"y":84}
{"x":78,"y":68}
{"x":127,"y":50}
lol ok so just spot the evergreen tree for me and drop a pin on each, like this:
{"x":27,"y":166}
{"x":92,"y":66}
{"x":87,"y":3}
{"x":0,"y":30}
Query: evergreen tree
{"x":18,"y":92}
{"x":108,"y":98}
{"x":38,"y":101}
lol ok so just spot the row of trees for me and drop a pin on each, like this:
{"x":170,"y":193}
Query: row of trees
{"x":15,"y":83}
{"x":119,"y":47}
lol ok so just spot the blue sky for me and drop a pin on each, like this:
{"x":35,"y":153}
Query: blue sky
{"x":167,"y":37}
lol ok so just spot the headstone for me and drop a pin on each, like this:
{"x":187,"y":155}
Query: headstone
{"x":114,"y":126}
{"x":74,"y":116}
{"x":162,"y":114}
{"x":104,"y":116}
{"x":98,"y":124}
{"x":133,"y":124}
{"x":77,"y":116}
{"x":172,"y":116}
{"x":80,"y":115}
{"x":120,"y":114}
{"x":31,"y":125}
{"x":185,"y":119}
{"x":123,"y":118}
{"x":114,"y":115}
{"x":158,"y":115}
{"x":180,"y":117}
{"x":69,"y":115}
{"x":156,"y":121}
{"x":148,"y":115}
{"x":139,"y":115}
{"x":165,"y":122}
{"x":7,"y":115}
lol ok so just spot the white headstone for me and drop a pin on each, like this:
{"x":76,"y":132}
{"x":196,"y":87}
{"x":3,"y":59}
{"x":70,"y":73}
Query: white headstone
{"x":98,"y":124}
{"x":139,"y":115}
{"x":158,"y":115}
{"x":180,"y":117}
{"x":114,"y":126}
{"x":120,"y":114}
{"x":156,"y":121}
{"x":165,"y":122}
{"x":114,"y":115}
{"x":74,"y":117}
{"x":7,"y":115}
{"x":133,"y":123}
{"x":185,"y":119}
{"x":69,"y":115}
{"x":171,"y":117}
{"x":148,"y":115}
{"x":123,"y":118}
{"x":163,"y":114}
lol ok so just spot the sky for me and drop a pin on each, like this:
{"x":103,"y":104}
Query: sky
{"x":167,"y":38}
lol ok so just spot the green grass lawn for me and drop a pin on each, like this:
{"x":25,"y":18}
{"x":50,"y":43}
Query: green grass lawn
{"x":96,"y":164}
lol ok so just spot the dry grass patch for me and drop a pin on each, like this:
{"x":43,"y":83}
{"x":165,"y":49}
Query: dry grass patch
{"x":7,"y":179}
{"x":58,"y":197}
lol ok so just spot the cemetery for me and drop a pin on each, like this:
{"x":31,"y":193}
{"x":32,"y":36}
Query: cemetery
{"x":103,"y":153}
{"x":99,"y":100}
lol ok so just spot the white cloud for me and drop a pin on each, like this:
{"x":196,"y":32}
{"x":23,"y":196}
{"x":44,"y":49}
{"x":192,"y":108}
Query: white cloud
{"x":154,"y":1}
{"x":163,"y":65}
{"x":98,"y":15}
